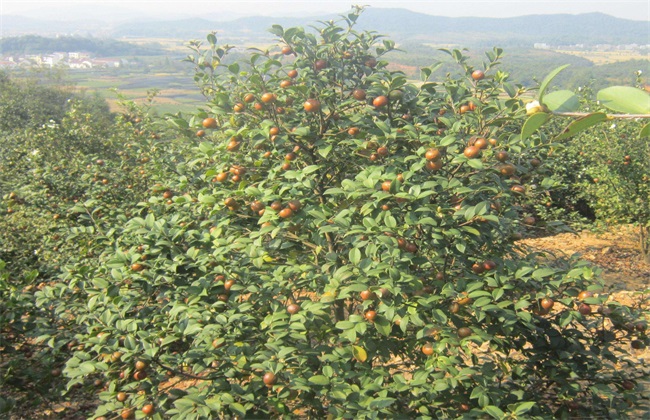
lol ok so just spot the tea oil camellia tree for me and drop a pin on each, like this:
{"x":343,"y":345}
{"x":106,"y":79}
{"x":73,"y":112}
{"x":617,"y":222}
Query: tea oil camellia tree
{"x":343,"y":246}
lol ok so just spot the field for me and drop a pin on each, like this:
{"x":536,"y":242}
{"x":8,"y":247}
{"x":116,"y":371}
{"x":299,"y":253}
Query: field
{"x":607,"y":57}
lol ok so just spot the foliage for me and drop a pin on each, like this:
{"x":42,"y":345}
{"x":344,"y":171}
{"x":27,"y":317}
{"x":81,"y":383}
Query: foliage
{"x":34,"y":44}
{"x":324,"y":239}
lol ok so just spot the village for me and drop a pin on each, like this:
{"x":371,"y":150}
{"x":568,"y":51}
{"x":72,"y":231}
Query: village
{"x":70,"y":60}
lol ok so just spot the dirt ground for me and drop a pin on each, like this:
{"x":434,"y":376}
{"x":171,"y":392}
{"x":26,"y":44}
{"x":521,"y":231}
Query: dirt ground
{"x":614,"y":251}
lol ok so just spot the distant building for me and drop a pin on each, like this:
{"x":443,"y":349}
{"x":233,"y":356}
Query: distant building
{"x":541,"y":46}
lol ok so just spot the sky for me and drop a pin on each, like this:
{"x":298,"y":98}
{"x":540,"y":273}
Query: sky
{"x":224,"y":10}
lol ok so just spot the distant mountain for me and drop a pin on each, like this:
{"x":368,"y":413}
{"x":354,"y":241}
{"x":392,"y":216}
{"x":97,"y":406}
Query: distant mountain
{"x":398,"y":24}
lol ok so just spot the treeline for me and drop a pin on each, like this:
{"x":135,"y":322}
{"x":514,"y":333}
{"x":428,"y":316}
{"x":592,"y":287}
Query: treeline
{"x":527,"y":66}
{"x":34,"y":44}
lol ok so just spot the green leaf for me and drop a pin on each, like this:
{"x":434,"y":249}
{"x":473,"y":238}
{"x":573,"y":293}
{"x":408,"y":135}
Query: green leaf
{"x":238,"y":408}
{"x":355,"y":256}
{"x":494,"y":411}
{"x":562,"y":101}
{"x":625,"y":99}
{"x":645,"y":131}
{"x":582,"y":124}
{"x":524,"y":407}
{"x":379,"y":403}
{"x":533,"y":123}
{"x":319,"y":380}
{"x":359,"y":353}
{"x":547,"y":80}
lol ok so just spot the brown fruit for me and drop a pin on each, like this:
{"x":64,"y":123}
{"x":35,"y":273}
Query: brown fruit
{"x":385,"y":186}
{"x":380,"y":101}
{"x":434,"y":165}
{"x":584,"y":309}
{"x":627,"y":385}
{"x":249,"y":97}
{"x":292,"y":73}
{"x":285,"y":84}
{"x":507,"y":169}
{"x":519,"y":189}
{"x":454,"y":307}
{"x":311,"y":105}
{"x":257,"y":205}
{"x":276,"y":205}
{"x":239,"y":107}
{"x":463,"y":109}
{"x":478,"y":75}
{"x":367,"y":295}
{"x":293,"y":308}
{"x":370,"y":315}
{"x":140,"y":365}
{"x":200,"y":133}
{"x":274,"y":131}
{"x":209,"y":123}
{"x":411,"y":247}
{"x":382,"y":151}
{"x":285,"y":213}
{"x":493,"y":141}
{"x":258,"y":106}
{"x":168,"y":194}
{"x":221,"y":176}
{"x":547,"y":303}
{"x":148,"y":410}
{"x":140,"y":375}
{"x":535,"y":163}
{"x":427,"y":349}
{"x":359,"y":94}
{"x":286,"y":50}
{"x":530,"y":220}
{"x":269,"y":379}
{"x":127,"y":413}
{"x":137,"y":267}
{"x":231,"y":202}
{"x":464,"y":332}
{"x":228,"y":284}
{"x":585,"y":294}
{"x":268,"y":97}
{"x":478,"y":268}
{"x":370,"y":62}
{"x":232,"y":145}
{"x":472,"y":152}
{"x":489,"y":265}
{"x":432,"y":154}
{"x":320,"y":64}
{"x":121,"y":396}
{"x":294,"y":205}
{"x":353,"y":131}
{"x":501,"y":156}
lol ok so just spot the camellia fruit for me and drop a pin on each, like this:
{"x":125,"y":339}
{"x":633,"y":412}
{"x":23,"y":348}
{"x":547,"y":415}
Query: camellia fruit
{"x":311,"y":105}
{"x":269,"y":379}
{"x":478,"y":75}
{"x":359,"y":94}
{"x":471,"y":152}
{"x":432,"y":154}
{"x":427,"y":349}
{"x":209,"y":123}
{"x":380,"y":101}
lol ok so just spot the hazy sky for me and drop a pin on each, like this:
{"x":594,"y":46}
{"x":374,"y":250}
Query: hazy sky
{"x":215,"y":9}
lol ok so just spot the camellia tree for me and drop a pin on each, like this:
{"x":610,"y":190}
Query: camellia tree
{"x":341,"y":243}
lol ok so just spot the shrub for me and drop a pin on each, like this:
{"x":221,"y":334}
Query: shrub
{"x":342,"y":245}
